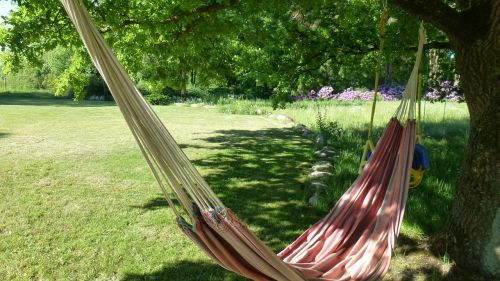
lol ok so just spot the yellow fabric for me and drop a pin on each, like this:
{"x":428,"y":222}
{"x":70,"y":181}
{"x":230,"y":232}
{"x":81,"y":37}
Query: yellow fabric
{"x":416,"y":177}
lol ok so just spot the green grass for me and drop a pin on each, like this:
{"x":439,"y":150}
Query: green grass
{"x":79,"y":203}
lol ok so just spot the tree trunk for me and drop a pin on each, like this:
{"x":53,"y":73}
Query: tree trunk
{"x":182,"y":85}
{"x":474,"y":225}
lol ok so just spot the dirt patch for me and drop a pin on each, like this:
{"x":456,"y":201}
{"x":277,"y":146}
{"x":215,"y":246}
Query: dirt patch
{"x":413,"y":261}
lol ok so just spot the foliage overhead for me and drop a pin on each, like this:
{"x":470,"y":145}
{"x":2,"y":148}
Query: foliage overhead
{"x":288,"y":46}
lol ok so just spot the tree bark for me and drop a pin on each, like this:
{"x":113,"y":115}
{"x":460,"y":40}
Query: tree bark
{"x":474,"y":225}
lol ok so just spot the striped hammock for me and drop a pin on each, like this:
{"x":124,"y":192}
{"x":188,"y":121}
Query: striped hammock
{"x":353,"y":242}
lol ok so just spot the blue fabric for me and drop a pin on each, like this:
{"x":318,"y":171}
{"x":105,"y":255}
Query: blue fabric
{"x":421,"y":158}
{"x":367,"y":155}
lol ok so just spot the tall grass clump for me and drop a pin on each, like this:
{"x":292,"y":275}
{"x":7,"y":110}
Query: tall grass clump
{"x":329,"y":129}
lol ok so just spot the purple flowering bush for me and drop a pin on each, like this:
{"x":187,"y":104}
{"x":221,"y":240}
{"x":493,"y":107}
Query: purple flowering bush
{"x":311,"y":95}
{"x":326,"y":93}
{"x":391,"y":92}
{"x":353,"y":94}
{"x":446,"y":90}
{"x":385,"y":92}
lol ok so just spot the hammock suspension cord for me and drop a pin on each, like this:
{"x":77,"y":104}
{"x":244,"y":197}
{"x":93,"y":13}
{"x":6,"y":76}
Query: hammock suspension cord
{"x":369,"y":146}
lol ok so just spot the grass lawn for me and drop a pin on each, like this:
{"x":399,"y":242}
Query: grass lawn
{"x":79,"y":203}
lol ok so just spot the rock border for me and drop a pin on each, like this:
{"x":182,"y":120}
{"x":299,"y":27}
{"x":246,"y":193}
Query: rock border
{"x":321,"y":170}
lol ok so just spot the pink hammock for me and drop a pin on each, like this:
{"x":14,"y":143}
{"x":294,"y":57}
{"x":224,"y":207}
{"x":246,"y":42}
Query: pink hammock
{"x":353,"y":242}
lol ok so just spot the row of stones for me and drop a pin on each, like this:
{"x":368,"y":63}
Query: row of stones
{"x":320,"y":172}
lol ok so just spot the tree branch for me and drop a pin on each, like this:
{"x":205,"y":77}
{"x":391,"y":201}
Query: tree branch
{"x":446,"y":45}
{"x":435,"y":12}
{"x":190,"y":27}
{"x":206,"y":9}
{"x":437,"y":45}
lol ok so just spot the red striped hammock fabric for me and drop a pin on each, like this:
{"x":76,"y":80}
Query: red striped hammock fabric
{"x":353,"y":242}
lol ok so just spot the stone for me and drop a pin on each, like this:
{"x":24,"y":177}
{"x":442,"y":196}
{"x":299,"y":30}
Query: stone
{"x":327,"y":148}
{"x":282,"y":117}
{"x":317,"y":185}
{"x":300,"y":127}
{"x":314,"y":200}
{"x":325,"y":152}
{"x":258,"y":111}
{"x":319,"y":140}
{"x":319,"y":174}
{"x":321,"y":155}
{"x":321,"y":166}
{"x":306,"y":133}
{"x":322,"y":162}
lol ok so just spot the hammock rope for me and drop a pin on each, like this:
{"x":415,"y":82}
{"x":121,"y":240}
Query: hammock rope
{"x":354,"y":241}
{"x":369,"y":146}
{"x":420,"y":138}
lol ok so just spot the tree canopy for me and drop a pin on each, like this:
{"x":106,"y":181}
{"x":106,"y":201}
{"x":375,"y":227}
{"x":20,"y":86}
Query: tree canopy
{"x":287,"y":46}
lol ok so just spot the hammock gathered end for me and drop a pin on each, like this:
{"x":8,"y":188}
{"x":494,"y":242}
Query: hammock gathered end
{"x":353,"y":242}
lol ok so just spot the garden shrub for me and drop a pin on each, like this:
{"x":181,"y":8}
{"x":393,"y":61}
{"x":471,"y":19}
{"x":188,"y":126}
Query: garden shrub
{"x":97,"y":88}
{"x":446,"y":90}
{"x":158,"y":99}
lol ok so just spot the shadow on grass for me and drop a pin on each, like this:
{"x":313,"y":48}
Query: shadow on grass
{"x":423,"y":270}
{"x":259,"y":175}
{"x":420,"y":268}
{"x":153,"y":204}
{"x":186,"y":271}
{"x":47,"y":99}
{"x":430,"y":272}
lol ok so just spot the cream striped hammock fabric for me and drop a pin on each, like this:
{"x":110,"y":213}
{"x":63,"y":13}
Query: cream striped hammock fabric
{"x":353,"y":242}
